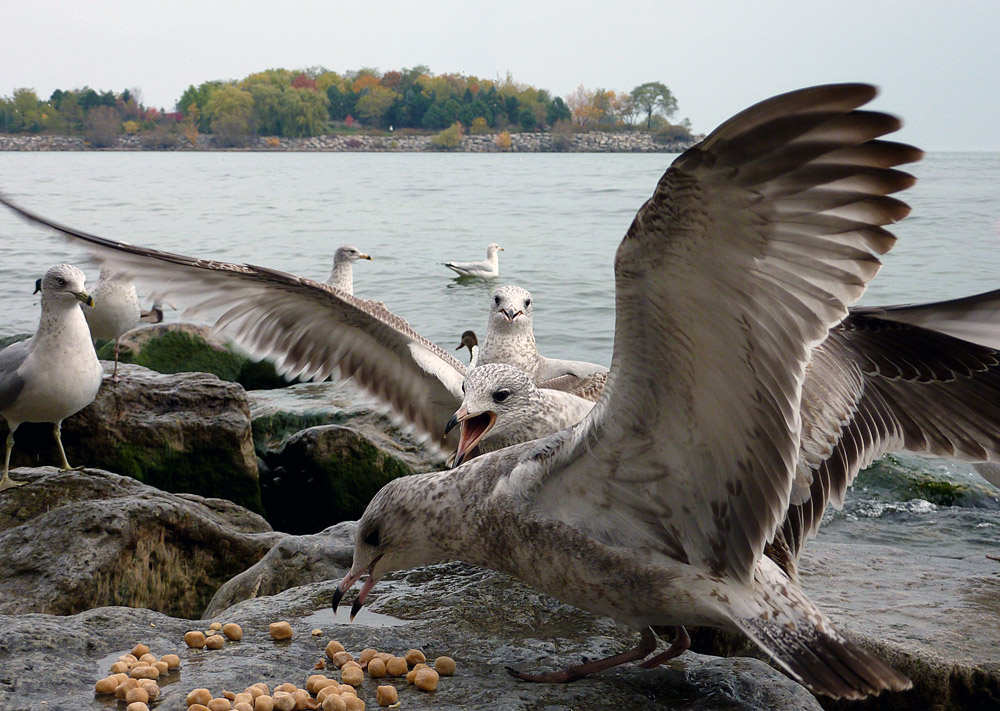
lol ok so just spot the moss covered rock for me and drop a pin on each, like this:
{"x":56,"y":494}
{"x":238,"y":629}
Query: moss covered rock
{"x":191,"y":348}
{"x":187,"y":432}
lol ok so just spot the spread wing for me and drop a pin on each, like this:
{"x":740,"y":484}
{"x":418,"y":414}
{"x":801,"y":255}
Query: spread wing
{"x":971,"y":318}
{"x":308,"y":329}
{"x":753,"y":245}
{"x":878,"y":386}
{"x":588,"y":387}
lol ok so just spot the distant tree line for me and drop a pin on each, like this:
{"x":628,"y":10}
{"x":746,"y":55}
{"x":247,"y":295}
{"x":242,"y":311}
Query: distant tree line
{"x":311,"y":102}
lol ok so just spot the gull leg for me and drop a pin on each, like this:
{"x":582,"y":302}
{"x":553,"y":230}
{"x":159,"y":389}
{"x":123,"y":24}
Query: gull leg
{"x":114,"y":379}
{"x":646,"y":645}
{"x":6,"y":482}
{"x":680,"y":645}
{"x":57,"y":431}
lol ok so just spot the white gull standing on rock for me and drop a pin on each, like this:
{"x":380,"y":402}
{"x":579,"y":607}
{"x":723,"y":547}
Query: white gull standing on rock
{"x":656,"y":509}
{"x":342,"y":275}
{"x":488,"y":268}
{"x":55,"y":373}
{"x":116,"y":310}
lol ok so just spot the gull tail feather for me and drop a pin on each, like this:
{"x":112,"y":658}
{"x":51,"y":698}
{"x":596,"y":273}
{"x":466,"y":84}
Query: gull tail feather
{"x":787,"y":625}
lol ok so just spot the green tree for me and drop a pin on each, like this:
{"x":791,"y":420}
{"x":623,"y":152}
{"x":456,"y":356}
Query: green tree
{"x":306,"y":112}
{"x":230,"y":115}
{"x":654,"y":97}
{"x":557,"y":111}
{"x":374,"y":103}
{"x":341,"y":103}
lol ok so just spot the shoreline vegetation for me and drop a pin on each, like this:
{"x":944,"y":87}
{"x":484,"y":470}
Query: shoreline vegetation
{"x":360,"y":110}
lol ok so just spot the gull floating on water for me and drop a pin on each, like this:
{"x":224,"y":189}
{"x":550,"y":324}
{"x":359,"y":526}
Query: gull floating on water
{"x":55,"y":373}
{"x":342,"y":275}
{"x":488,"y":268}
{"x":656,"y":509}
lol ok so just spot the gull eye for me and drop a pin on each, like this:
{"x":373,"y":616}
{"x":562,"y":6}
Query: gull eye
{"x":501,"y":395}
{"x":527,"y":303}
{"x":496,"y":299}
{"x":372,"y":538}
{"x":60,"y":281}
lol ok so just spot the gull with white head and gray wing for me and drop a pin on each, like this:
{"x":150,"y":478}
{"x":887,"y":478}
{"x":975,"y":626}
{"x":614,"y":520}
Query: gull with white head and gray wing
{"x":55,"y":373}
{"x":656,"y":509}
{"x":510,"y":338}
{"x":487,"y":269}
{"x":342,"y":275}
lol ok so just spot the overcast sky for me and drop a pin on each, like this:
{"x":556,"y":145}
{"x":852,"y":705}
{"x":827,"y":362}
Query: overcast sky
{"x":938,"y":63}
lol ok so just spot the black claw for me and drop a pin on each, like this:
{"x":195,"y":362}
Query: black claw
{"x":337,"y":596}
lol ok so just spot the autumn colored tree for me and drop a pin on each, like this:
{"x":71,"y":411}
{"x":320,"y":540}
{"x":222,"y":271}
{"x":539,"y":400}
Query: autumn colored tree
{"x":374,"y":103}
{"x":581,"y":107}
{"x":230,"y":115}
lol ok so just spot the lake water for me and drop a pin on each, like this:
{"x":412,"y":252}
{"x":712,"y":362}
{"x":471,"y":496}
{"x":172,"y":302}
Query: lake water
{"x":558,"y":216}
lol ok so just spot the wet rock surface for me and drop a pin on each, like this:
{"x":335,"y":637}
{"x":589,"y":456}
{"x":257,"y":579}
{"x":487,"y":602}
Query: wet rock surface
{"x":482,"y":619}
{"x":71,"y":541}
{"x":188,"y":432}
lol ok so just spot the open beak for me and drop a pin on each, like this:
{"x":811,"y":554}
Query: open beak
{"x":511,"y":314}
{"x":474,"y":428}
{"x":85,"y":298}
{"x":348,"y":582}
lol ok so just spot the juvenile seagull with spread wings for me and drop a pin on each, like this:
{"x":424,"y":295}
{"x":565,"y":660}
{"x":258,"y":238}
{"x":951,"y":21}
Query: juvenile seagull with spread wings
{"x":656,"y":509}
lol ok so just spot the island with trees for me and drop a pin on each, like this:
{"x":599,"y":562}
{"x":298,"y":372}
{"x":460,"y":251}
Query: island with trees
{"x":319,"y":109}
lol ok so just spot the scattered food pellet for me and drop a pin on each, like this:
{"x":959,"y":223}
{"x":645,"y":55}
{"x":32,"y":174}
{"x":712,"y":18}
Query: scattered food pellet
{"x":264,"y":702}
{"x":139,"y":649}
{"x":244,"y":697}
{"x":137,"y":706}
{"x":197,"y":707}
{"x":280,"y":630}
{"x":414,"y":656}
{"x":161,"y":666}
{"x":242,"y":706}
{"x":445,"y":666}
{"x":386,"y":695}
{"x":137,"y":694}
{"x":125,"y":687}
{"x":396,"y":666}
{"x":220,"y":704}
{"x":172,"y":660}
{"x":259,"y":689}
{"x":319,"y":665}
{"x":195,"y":639}
{"x":233,"y":631}
{"x":332,"y":647}
{"x":376,"y":668}
{"x":334,"y":702}
{"x":198,"y":696}
{"x":216,"y":626}
{"x":426,"y":680}
{"x":353,"y":703}
{"x":367,"y":655}
{"x":107,"y":685}
{"x":283,"y":701}
{"x":216,"y":641}
{"x":317,"y":632}
{"x":147,"y":658}
{"x":342,"y":658}
{"x":144,"y":672}
{"x":286,"y":687}
{"x":352,"y":675}
{"x":119,"y":667}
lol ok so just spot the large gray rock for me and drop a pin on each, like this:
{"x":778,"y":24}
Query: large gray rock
{"x":186,"y":432}
{"x":482,"y":619}
{"x":71,"y":541}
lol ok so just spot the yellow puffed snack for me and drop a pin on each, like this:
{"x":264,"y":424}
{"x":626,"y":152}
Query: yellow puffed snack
{"x":280,"y":630}
{"x":386,"y":695}
{"x":233,"y":631}
{"x":332,"y":647}
{"x":195,"y":639}
{"x":352,"y":675}
{"x":426,"y":680}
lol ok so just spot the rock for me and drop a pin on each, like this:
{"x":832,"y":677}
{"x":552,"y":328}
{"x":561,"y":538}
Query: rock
{"x":71,"y":541}
{"x":191,"y":348}
{"x":482,"y":619}
{"x":327,"y":449}
{"x":293,"y":561}
{"x":325,"y":475}
{"x":184,"y":432}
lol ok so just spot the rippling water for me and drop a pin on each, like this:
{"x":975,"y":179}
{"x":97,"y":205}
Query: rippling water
{"x":559,"y":217}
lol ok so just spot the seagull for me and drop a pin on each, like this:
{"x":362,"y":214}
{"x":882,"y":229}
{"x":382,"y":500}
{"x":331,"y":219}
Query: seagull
{"x":486,"y":269}
{"x":116,"y":310}
{"x":342,"y":275}
{"x":469,"y":341}
{"x":55,"y":373}
{"x":502,"y":407}
{"x":656,"y":509}
{"x":510,"y":338}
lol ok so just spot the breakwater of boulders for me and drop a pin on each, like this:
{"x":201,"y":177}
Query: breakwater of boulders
{"x":541,"y":142}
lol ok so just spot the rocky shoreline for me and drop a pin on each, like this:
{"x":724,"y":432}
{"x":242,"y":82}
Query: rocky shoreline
{"x":545,"y":142}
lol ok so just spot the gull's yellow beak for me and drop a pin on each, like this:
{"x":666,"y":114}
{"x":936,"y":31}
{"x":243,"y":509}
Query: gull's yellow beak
{"x":366,"y":256}
{"x":85,"y":298}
